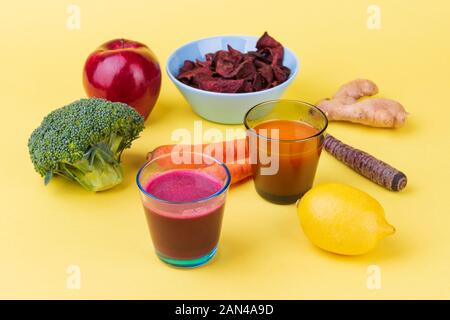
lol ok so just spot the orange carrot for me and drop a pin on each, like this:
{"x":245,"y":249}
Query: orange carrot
{"x":225,"y":151}
{"x":233,"y":153}
{"x":238,"y":170}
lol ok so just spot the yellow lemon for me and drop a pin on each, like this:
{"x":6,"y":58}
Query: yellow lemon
{"x":342,"y":219}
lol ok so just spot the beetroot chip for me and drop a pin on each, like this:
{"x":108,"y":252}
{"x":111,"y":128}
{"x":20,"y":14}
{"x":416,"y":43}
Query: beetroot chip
{"x":267,"y":41}
{"x":209,"y":56}
{"x":246,"y":70}
{"x":203,"y":64}
{"x":258,"y":82}
{"x":235,"y":54}
{"x":274,"y":56}
{"x":229,"y":56}
{"x":248,"y":86}
{"x":279,"y":74}
{"x":187,"y":66}
{"x":271,"y":49}
{"x":197,"y":73}
{"x":266,"y":73}
{"x":224,"y":63}
{"x":202,"y":77}
{"x":258,"y":57}
{"x":277,"y":56}
{"x":224,"y":68}
{"x":220,"y":85}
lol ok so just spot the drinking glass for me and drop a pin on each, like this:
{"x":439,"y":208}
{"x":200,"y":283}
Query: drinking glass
{"x":295,"y":159}
{"x":184,"y":195}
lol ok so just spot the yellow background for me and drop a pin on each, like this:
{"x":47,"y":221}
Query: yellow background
{"x":263,"y":252}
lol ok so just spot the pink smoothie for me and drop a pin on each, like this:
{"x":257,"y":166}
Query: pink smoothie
{"x":183,"y":185}
{"x":185,"y":230}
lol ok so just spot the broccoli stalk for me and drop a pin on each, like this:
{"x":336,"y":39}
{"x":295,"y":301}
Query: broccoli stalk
{"x":98,"y":170}
{"x":83,"y":142}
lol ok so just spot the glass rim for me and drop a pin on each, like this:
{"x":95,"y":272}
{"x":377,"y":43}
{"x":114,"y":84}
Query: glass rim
{"x":211,"y":196}
{"x":286,"y":140}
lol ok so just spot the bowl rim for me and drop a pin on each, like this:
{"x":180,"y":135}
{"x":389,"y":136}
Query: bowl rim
{"x":225,"y":94}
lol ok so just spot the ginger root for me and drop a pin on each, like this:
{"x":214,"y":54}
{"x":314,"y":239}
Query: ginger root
{"x":376,"y":112}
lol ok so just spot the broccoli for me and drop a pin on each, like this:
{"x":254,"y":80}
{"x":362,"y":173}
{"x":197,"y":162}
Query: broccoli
{"x":83,"y":142}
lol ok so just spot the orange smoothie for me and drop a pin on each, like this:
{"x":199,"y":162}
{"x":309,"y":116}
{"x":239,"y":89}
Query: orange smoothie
{"x":297,"y":158}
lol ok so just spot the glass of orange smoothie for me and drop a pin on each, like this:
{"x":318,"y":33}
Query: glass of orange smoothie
{"x":286,"y":137}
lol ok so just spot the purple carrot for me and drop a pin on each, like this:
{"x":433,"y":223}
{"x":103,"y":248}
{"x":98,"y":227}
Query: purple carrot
{"x":366,"y":165}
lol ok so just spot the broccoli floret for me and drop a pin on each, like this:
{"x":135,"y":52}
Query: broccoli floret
{"x":83,"y":141}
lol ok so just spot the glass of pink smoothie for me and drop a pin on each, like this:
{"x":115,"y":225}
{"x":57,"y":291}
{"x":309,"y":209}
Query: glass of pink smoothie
{"x":184,"y":194}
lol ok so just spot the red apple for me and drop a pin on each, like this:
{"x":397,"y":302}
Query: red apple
{"x":124,"y":71}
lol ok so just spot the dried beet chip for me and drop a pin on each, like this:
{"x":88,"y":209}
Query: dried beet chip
{"x":267,"y":41}
{"x":191,"y":74}
{"x":221,"y":85}
{"x":279,"y":74}
{"x":267,"y":73}
{"x":260,"y":64}
{"x":209,"y":56}
{"x":248,"y":86}
{"x":202,"y":77}
{"x":203,"y":64}
{"x":235,"y":54}
{"x":258,"y":56}
{"x":277,"y":54}
{"x":187,"y":66}
{"x":228,"y":56}
{"x":273,"y":55}
{"x":258,"y":82}
{"x":245,"y":70}
{"x":224,"y":68}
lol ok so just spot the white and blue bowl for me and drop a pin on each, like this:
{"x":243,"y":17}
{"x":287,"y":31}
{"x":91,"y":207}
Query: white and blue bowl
{"x":228,"y":108}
